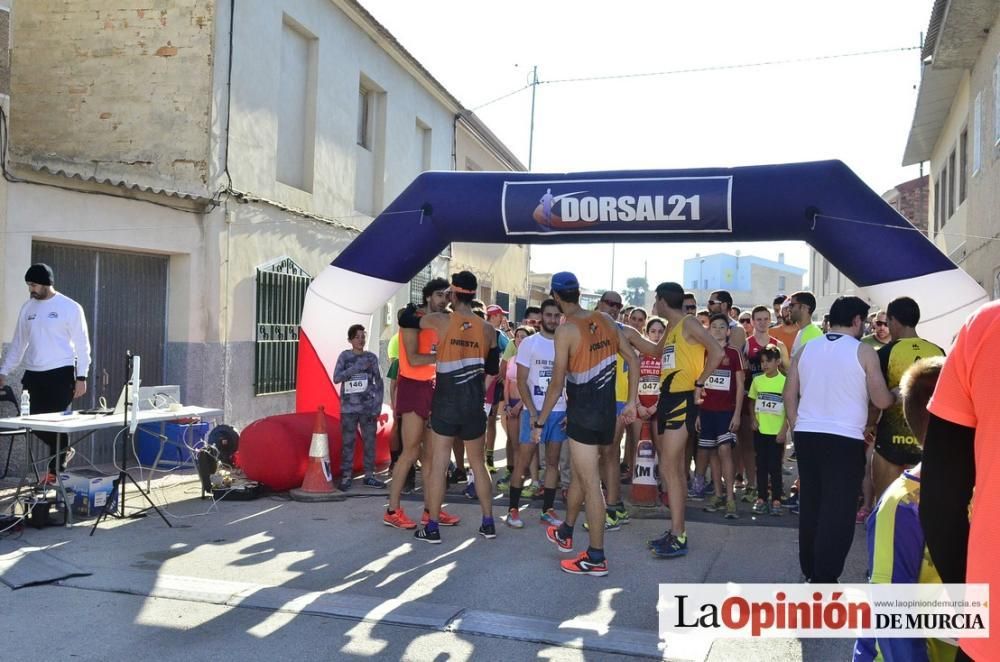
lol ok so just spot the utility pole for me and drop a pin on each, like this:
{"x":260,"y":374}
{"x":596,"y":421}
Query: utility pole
{"x":531,"y":134}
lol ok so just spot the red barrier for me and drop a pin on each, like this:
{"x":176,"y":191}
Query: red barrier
{"x":275,"y":450}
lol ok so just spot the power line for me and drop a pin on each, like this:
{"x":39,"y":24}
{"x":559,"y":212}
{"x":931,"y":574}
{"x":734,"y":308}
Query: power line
{"x":903,"y":228}
{"x":693,"y":70}
{"x":728,"y":67}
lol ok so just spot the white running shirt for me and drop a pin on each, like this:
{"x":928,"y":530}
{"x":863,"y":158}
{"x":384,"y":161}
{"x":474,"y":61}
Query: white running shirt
{"x":833,"y":390}
{"x":50,"y":334}
{"x":538,"y":353}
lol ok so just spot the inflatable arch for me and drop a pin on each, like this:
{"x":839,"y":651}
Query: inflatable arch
{"x":822,"y":203}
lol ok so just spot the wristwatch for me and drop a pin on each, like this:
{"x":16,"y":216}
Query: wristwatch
{"x":699,"y":384}
{"x":538,"y":425}
{"x":81,"y":379}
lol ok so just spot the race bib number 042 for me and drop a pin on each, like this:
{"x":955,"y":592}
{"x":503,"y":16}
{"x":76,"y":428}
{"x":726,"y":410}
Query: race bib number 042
{"x":719,"y":380}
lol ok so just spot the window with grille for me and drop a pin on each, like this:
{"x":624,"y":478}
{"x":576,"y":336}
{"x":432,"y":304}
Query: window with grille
{"x":520,"y":305}
{"x":281,"y":293}
{"x":417,"y":285}
{"x":503,"y":300}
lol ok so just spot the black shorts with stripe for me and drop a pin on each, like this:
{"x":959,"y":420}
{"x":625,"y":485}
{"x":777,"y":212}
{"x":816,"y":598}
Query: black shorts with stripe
{"x":676,"y":410}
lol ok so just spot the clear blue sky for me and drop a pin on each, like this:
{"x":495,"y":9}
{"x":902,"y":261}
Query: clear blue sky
{"x":857,"y":109}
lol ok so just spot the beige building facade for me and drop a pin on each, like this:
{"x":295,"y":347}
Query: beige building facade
{"x":186,"y":171}
{"x":956,"y":128}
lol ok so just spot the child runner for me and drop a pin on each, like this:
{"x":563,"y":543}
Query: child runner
{"x":719,"y":419}
{"x":649,"y":386}
{"x":770,"y":429}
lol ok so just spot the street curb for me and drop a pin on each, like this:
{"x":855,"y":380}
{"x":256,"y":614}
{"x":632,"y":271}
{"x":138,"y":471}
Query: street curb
{"x":576,"y":634}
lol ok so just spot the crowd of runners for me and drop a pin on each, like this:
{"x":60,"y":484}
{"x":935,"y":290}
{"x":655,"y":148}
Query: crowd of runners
{"x":728,"y":398}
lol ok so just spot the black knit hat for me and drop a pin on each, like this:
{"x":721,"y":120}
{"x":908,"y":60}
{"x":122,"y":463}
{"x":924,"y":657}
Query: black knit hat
{"x":40,"y":274}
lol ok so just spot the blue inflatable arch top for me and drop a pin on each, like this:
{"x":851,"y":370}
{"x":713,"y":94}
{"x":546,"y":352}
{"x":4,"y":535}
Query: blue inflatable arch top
{"x":822,"y":203}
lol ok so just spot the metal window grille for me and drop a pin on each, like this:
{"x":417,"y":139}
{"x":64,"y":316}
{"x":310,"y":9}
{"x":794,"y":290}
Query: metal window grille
{"x":281,"y":293}
{"x":417,"y":285}
{"x":503,"y":300}
{"x":520,"y":305}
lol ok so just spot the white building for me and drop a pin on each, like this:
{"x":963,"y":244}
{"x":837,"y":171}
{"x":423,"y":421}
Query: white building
{"x":185,"y":171}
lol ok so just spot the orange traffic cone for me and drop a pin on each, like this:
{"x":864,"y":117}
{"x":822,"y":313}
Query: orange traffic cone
{"x":643,"y":473}
{"x":317,"y":484}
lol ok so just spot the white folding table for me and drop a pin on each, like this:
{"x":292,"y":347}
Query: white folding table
{"x":85,"y":424}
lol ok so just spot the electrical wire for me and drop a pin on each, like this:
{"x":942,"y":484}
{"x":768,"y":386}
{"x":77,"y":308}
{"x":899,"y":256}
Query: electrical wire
{"x":730,"y":67}
{"x":904,"y":228}
{"x":694,"y":70}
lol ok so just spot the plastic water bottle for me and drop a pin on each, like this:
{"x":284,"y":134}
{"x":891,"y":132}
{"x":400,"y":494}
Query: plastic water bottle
{"x":25,"y":403}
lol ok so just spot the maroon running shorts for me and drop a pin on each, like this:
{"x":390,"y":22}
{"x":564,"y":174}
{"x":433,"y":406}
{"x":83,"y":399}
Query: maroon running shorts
{"x":414,"y":396}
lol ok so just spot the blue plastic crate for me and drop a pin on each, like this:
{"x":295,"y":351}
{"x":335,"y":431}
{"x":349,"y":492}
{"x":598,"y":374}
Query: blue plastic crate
{"x":176,"y":451}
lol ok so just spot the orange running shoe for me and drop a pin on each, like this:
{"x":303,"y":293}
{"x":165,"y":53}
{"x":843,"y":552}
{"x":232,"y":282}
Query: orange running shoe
{"x":582,"y":565}
{"x":444,"y":519}
{"x":565,"y":545}
{"x":398,"y":520}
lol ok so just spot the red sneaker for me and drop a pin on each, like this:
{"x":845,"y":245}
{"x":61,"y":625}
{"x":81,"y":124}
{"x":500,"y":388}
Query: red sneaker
{"x":582,"y":565}
{"x":444,"y":519}
{"x":398,"y":520}
{"x":565,"y":545}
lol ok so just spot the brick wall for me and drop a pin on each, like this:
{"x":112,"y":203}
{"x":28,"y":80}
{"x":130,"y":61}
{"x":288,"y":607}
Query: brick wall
{"x":114,"y":90}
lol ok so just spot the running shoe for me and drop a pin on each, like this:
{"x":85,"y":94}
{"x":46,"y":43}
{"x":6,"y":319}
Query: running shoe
{"x":565,"y":545}
{"x":622,"y":515}
{"x":671,"y":547}
{"x":514,"y":520}
{"x":530,"y":491}
{"x":470,"y":491}
{"x":372,"y":481}
{"x":409,"y":487}
{"x":750,"y":495}
{"x":444,"y":519}
{"x":491,"y":467}
{"x":398,"y":520}
{"x":433,"y":537}
{"x":551,"y":517}
{"x":345,"y":484}
{"x":697,"y":490}
{"x":459,"y":476}
{"x":658,"y":541}
{"x":715,"y":504}
{"x":503,"y":485}
{"x":731,"y":510}
{"x":610,"y":523}
{"x":862,"y":515}
{"x":776,"y":509}
{"x":582,"y":565}
{"x":488,"y":531}
{"x":759,"y":507}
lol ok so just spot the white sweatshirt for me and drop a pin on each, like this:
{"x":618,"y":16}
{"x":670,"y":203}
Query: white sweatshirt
{"x":50,"y":334}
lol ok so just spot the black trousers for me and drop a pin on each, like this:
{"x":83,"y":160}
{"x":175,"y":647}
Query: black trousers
{"x":831,"y":469}
{"x":51,"y":391}
{"x":768,"y":452}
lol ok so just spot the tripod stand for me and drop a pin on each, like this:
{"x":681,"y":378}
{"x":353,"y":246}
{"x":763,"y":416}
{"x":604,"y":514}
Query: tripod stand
{"x":131,"y":413}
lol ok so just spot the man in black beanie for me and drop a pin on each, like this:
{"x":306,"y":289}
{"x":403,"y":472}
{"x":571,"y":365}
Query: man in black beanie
{"x":52,"y":343}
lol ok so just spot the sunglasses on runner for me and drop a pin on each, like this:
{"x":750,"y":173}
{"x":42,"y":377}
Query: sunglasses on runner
{"x":691,"y":307}
{"x":613,"y":304}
